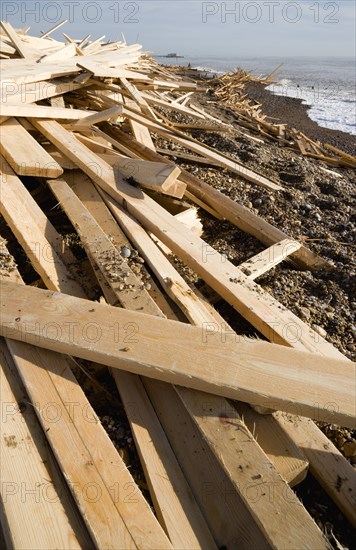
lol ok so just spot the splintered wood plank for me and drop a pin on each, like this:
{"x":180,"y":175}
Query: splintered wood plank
{"x":269,"y":258}
{"x":52,"y":29}
{"x":115,"y":511}
{"x":34,"y":232}
{"x":35,"y":91}
{"x":228,"y":209}
{"x":24,"y":154}
{"x":29,"y":474}
{"x":256,"y":477}
{"x":325,"y":464}
{"x":266,"y":372}
{"x":280,"y":449}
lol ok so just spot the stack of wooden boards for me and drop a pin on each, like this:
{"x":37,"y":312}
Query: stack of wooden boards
{"x":229,"y":89}
{"x":81,"y":118}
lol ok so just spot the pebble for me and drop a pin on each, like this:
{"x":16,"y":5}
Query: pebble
{"x":307,"y":207}
{"x":304,"y":311}
{"x":125,"y":252}
{"x":322,"y":332}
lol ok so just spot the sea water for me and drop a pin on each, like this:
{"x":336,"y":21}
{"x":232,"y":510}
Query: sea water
{"x":326,"y":85}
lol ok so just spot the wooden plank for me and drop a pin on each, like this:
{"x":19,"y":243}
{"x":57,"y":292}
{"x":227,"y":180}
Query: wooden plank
{"x":32,"y":92}
{"x":269,"y":258}
{"x":34,"y":232}
{"x":102,"y":71}
{"x":6,"y":48}
{"x":15,"y":38}
{"x":193,"y":145}
{"x":151,"y":175}
{"x":120,"y":516}
{"x":24,"y":154}
{"x":230,"y":210}
{"x":174,"y":501}
{"x":327,"y":465}
{"x":53,"y":29}
{"x":39,"y":111}
{"x":288,"y":458}
{"x":231,"y":522}
{"x":140,"y":131}
{"x":297,"y":530}
{"x":19,"y":71}
{"x":37,"y":490}
{"x":190,"y":158}
{"x":267,"y":373}
{"x":106,"y":114}
{"x":64,"y":53}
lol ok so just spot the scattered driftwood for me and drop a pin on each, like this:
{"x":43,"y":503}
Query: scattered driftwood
{"x":82,"y":118}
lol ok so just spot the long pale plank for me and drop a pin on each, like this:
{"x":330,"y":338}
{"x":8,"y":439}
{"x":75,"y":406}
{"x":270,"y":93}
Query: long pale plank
{"x":269,"y":258}
{"x":32,"y":92}
{"x":266,"y":372}
{"x":27,"y":465}
{"x":235,"y":213}
{"x":24,"y":154}
{"x":102,"y":71}
{"x":140,"y":131}
{"x":66,"y":52}
{"x":39,"y":111}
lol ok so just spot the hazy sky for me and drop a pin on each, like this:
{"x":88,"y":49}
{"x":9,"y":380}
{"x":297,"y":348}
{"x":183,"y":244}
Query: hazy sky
{"x":198,"y":28}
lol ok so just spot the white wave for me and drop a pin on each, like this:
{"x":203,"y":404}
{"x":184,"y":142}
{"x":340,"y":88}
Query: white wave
{"x":327,"y":107}
{"x":208,"y":70}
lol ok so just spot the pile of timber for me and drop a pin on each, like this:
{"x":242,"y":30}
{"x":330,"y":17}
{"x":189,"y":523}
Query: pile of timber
{"x":79,"y":119}
{"x":229,"y":89}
